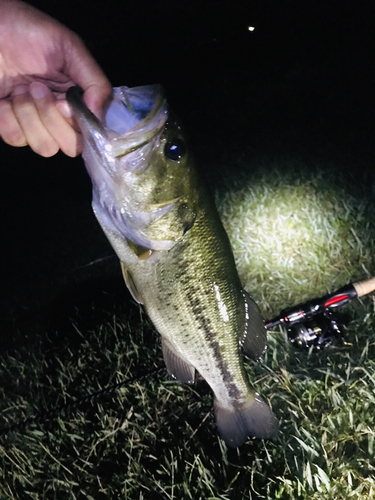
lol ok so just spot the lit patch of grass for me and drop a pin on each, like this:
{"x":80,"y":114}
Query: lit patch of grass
{"x":296,"y":230}
{"x":296,"y":234}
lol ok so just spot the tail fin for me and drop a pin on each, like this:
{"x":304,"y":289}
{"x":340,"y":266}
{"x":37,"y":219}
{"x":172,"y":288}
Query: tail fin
{"x":236,"y":425}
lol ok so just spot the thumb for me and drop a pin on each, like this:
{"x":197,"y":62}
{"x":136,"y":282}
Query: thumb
{"x":95,"y":96}
{"x":82,"y":68}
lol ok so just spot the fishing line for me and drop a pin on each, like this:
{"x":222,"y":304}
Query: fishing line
{"x":68,"y":408}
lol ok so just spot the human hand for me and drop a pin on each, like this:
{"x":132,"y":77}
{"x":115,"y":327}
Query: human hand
{"x":39,"y":60}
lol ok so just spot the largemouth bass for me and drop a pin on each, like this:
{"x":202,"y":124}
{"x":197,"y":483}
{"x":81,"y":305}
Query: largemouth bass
{"x":175,"y":256}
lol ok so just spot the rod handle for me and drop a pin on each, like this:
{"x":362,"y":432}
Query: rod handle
{"x":364,"y":287}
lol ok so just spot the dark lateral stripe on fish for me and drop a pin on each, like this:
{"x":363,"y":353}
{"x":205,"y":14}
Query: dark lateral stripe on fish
{"x":216,"y":350}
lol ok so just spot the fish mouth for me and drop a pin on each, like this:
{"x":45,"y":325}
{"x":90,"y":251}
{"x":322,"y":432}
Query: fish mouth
{"x":131,"y":110}
{"x":133,"y":120}
{"x":146,"y":117}
{"x":115,"y":149}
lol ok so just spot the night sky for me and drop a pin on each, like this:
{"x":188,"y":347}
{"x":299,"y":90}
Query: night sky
{"x":302,"y":82}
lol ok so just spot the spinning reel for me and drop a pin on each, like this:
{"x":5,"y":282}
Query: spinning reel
{"x":323,"y":331}
{"x":316,"y":323}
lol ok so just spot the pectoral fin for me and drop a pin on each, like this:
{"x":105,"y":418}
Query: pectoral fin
{"x":254,"y":341}
{"x":143,"y":253}
{"x":130,"y":284}
{"x":177,"y":367}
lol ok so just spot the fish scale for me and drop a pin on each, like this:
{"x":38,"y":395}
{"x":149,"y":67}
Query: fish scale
{"x":175,"y":255}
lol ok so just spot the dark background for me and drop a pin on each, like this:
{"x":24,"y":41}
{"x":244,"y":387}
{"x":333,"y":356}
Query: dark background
{"x":302,"y":83}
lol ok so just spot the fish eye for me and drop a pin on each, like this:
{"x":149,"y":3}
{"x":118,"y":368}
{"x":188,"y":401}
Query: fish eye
{"x":175,"y":149}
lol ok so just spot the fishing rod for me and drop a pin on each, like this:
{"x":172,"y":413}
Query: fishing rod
{"x":310,"y":324}
{"x":316,"y":323}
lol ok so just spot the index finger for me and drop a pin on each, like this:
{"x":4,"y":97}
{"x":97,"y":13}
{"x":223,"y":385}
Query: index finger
{"x":69,"y":141}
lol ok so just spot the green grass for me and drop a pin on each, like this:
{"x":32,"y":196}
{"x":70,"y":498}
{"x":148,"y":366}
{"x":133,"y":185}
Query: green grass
{"x":297,"y":233}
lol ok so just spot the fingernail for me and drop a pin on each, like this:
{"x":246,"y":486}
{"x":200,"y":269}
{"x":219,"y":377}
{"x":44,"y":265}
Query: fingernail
{"x":38,"y":90}
{"x":64,"y":109}
{"x":20,"y":89}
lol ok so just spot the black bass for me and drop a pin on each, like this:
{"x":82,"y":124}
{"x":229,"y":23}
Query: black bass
{"x":175,"y":255}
